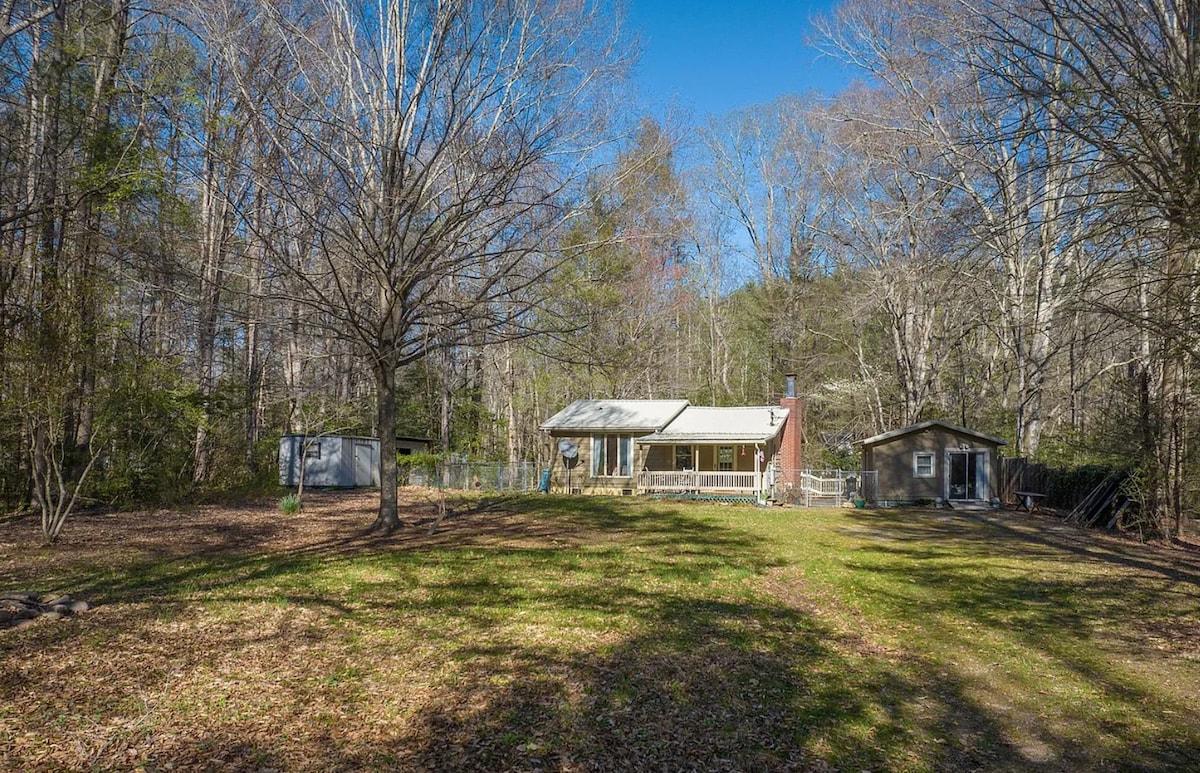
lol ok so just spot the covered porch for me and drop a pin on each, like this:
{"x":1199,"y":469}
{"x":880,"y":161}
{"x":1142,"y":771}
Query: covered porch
{"x":714,"y":451}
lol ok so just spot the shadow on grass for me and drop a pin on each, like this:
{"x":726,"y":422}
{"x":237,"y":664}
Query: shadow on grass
{"x":716,"y":686}
{"x":1042,"y":577}
{"x":675,"y":664}
{"x":1077,"y":605}
{"x":1014,"y":535}
{"x":210,"y":555}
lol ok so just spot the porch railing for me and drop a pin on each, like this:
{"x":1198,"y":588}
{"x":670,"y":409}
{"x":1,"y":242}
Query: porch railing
{"x":689,"y":480}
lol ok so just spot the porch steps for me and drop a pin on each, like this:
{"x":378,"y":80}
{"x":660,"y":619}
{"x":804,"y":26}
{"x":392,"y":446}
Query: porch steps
{"x":969,"y":506}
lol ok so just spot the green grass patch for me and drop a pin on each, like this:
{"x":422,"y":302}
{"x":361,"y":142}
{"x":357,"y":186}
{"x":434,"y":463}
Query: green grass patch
{"x":577,"y":634}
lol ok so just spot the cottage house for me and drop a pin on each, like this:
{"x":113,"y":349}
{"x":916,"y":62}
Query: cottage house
{"x":671,"y":446}
{"x":933,"y":460}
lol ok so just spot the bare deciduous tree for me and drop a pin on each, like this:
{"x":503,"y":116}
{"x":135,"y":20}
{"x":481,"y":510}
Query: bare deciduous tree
{"x":763,"y":179}
{"x":895,"y":226}
{"x":433,"y":151}
{"x":1123,"y":77}
{"x":1027,"y":182}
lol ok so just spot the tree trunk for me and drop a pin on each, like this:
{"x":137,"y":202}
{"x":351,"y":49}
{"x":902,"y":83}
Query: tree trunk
{"x":1169,"y":457}
{"x":388,"y":519}
{"x":255,"y":365}
{"x":510,"y":408}
{"x":1173,"y":389}
{"x":444,"y":432}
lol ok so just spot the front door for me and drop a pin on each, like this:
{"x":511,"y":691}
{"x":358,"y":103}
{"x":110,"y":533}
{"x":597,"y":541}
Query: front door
{"x":967,"y":475}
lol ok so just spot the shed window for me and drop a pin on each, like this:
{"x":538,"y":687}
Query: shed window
{"x":312,"y":450}
{"x":923,"y":464}
{"x":611,"y":456}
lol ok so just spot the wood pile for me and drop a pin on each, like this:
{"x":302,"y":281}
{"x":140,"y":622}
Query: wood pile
{"x":1104,"y":505}
{"x":22,"y":608}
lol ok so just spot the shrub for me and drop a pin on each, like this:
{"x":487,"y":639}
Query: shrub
{"x":289,"y":505}
{"x":420,"y":469}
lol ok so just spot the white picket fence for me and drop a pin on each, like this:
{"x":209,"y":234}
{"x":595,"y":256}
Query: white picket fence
{"x":830,"y":488}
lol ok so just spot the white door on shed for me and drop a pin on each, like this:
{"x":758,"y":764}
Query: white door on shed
{"x":362,"y":464}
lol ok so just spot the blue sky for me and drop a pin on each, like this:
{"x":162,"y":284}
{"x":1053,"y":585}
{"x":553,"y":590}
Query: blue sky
{"x":715,"y":56}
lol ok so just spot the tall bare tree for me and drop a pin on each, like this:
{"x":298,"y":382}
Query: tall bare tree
{"x":1028,"y":183}
{"x":763,"y":179}
{"x":433,"y":151}
{"x":1123,"y":76}
{"x":763,"y":182}
{"x":896,"y":228}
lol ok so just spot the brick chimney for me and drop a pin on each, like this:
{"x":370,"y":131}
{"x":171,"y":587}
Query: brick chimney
{"x":791,"y":448}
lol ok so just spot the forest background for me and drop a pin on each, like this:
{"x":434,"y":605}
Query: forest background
{"x":225,"y":221}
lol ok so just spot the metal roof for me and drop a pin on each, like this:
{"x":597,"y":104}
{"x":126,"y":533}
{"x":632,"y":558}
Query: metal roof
{"x":895,"y":433}
{"x":615,"y":415}
{"x":699,"y":424}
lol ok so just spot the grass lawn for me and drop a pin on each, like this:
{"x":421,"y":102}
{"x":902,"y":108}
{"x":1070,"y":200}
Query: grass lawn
{"x":594,"y":634}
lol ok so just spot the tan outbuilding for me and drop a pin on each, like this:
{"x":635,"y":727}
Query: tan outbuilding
{"x":934,"y":461}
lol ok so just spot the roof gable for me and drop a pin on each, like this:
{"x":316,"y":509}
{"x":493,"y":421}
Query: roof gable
{"x":703,"y":424}
{"x":615,"y":415}
{"x":924,"y":425}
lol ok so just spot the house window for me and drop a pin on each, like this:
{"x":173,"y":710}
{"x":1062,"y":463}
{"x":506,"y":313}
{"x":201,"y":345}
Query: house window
{"x":725,"y":458}
{"x":611,"y":455}
{"x":312,"y":450}
{"x":683,"y":458}
{"x":923,"y":464}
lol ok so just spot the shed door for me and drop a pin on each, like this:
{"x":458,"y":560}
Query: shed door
{"x":968,"y":478}
{"x":362,"y":464}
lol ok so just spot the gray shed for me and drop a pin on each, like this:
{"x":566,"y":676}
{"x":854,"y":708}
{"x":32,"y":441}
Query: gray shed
{"x":341,"y":461}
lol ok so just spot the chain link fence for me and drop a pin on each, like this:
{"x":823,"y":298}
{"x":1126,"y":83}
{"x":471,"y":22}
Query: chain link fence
{"x":476,"y":476}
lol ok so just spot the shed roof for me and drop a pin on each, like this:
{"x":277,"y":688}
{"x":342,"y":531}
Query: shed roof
{"x":409,"y":438}
{"x":615,"y":415}
{"x":910,"y":429}
{"x":698,"y":424}
{"x":329,"y":436}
